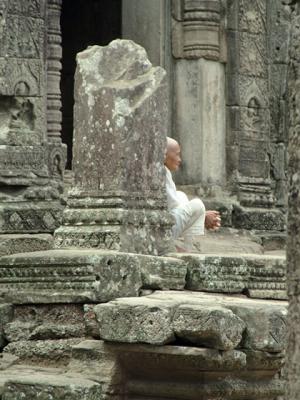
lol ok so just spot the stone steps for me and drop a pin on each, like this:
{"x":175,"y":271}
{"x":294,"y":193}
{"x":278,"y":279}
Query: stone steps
{"x":100,"y":370}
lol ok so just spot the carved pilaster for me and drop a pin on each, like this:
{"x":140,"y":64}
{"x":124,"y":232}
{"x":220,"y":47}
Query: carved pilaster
{"x":54,"y":55}
{"x":29,"y":195}
{"x":196,"y":29}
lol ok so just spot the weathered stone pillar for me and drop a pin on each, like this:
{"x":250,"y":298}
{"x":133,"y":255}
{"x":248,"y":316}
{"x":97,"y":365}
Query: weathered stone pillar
{"x":30,"y":183}
{"x":199,"y":91}
{"x":120,"y":131}
{"x":293,"y":245}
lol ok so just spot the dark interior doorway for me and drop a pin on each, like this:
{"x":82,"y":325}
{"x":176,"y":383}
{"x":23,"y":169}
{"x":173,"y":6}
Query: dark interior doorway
{"x":83,"y":23}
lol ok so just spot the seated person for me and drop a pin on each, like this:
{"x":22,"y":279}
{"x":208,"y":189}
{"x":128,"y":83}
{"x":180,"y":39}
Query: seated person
{"x":190,"y":215}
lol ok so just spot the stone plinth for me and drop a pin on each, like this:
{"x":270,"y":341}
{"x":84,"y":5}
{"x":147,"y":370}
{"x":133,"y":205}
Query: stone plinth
{"x":119,"y":140}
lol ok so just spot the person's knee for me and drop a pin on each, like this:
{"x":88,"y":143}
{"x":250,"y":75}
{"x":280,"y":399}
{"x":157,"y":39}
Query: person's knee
{"x":197,"y":207}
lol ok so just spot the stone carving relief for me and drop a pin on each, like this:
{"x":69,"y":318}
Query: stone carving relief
{"x":20,"y":77}
{"x":196,"y":30}
{"x":57,"y":161}
{"x":17,"y":122}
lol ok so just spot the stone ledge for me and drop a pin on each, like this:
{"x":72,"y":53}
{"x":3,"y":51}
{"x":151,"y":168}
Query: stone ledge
{"x":45,"y":352}
{"x":221,"y":322}
{"x":48,"y":384}
{"x":260,"y":276}
{"x":98,"y":368}
{"x":82,"y":276}
{"x":210,"y":373}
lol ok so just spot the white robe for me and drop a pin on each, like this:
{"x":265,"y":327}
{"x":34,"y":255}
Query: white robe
{"x":189,"y":215}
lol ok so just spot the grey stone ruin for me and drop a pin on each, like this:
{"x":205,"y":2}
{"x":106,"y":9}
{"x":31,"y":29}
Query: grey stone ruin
{"x":117,"y":325}
{"x":118,"y":201}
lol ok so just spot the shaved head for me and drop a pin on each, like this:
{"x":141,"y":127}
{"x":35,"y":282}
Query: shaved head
{"x":171,"y":143}
{"x":172,"y":158}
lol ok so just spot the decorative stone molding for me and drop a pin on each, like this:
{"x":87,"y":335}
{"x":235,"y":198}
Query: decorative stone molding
{"x":196,"y":29}
{"x":54,"y":55}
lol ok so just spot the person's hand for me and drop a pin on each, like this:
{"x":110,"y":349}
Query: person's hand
{"x":212,"y":220}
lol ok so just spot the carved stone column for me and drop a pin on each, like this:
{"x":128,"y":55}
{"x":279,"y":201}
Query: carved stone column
{"x":199,"y":86}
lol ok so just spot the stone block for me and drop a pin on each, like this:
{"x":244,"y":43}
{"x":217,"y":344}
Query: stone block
{"x":82,"y":276}
{"x":51,"y":352}
{"x":179,"y":359}
{"x":202,"y":319}
{"x":64,"y":276}
{"x":258,"y":218}
{"x":136,"y":320}
{"x":51,"y":387}
{"x":265,"y":326}
{"x":214,"y":327}
{"x":226,"y":274}
{"x":261,"y":276}
{"x":12,"y":244}
{"x":163,"y":273}
{"x":46,"y":322}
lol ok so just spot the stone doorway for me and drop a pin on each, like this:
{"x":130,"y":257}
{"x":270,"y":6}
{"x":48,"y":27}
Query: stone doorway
{"x":83,"y":23}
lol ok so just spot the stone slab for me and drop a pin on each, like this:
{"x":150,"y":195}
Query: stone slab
{"x":213,"y":326}
{"x":83,"y":276}
{"x":156,"y":319}
{"x":42,"y":385}
{"x":260,"y":276}
{"x":44,"y":352}
{"x":172,"y":358}
{"x":227,"y":388}
{"x":12,"y":244}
